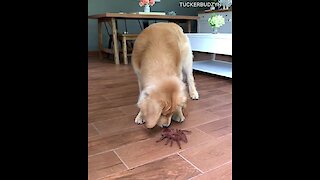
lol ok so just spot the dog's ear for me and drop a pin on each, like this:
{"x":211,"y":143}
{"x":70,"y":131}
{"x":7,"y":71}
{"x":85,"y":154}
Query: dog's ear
{"x":142,"y":97}
{"x":165,"y":106}
{"x":150,"y":108}
{"x":151,"y":111}
{"x":145,"y":94}
{"x":178,"y":98}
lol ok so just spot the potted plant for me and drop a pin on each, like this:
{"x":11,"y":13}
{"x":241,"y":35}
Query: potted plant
{"x":216,"y":21}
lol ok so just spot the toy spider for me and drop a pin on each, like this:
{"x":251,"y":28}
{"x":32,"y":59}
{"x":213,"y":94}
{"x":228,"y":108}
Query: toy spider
{"x":174,"y":135}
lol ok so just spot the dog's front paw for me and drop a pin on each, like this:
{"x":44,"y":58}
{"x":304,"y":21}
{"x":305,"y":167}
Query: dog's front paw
{"x":194,"y":95}
{"x":177,"y":118}
{"x":139,"y":120}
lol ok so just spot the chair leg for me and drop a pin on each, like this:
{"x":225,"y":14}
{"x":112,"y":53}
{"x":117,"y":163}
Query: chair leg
{"x":110,"y":42}
{"x":124,"y":49}
{"x":129,"y":45}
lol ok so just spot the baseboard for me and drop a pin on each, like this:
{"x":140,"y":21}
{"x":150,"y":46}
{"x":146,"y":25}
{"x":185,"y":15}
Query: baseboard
{"x":93,"y":53}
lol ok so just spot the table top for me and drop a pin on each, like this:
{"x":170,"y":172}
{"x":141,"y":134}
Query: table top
{"x":140,"y":16}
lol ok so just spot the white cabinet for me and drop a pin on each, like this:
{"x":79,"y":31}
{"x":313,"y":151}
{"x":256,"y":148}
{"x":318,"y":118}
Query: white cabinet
{"x":204,"y":27}
{"x":212,"y":43}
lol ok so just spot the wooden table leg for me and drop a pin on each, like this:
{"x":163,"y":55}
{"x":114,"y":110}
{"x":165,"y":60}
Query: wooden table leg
{"x":100,"y":39}
{"x":115,"y":41}
{"x":124,"y":48}
{"x":189,"y":26}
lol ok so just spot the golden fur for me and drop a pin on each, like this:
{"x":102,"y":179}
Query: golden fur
{"x":160,"y":57}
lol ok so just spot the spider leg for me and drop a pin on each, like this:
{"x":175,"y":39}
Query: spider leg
{"x":162,"y":138}
{"x":183,"y":131}
{"x":178,"y":143}
{"x":167,"y":141}
{"x":184,"y":138}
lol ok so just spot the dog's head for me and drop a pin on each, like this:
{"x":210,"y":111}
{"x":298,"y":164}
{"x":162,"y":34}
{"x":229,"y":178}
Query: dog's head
{"x":158,"y":102}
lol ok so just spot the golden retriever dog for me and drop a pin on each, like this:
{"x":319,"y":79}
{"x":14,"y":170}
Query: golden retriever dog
{"x":161,"y":58}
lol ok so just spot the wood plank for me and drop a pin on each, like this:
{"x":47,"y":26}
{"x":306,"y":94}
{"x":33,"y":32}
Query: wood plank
{"x":96,"y":99}
{"x":195,"y":118}
{"x":105,"y":114}
{"x":218,"y":128}
{"x":203,"y":103}
{"x":130,"y":109}
{"x":104,"y":164}
{"x":115,"y":124}
{"x":222,"y":111}
{"x":225,"y":98}
{"x":92,"y":131}
{"x":140,"y":153}
{"x":109,"y":141}
{"x":226,"y":89}
{"x":221,"y":173}
{"x":122,"y":101}
{"x":210,"y":155}
{"x":172,"y":167}
{"x":207,"y":93}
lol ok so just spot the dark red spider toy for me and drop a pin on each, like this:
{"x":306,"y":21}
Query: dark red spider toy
{"x":174,"y":135}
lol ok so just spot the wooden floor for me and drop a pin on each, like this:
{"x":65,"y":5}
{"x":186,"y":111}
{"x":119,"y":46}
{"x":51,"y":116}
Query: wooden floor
{"x":118,"y":148}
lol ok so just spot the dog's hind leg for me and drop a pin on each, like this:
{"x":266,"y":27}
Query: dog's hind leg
{"x":187,"y":68}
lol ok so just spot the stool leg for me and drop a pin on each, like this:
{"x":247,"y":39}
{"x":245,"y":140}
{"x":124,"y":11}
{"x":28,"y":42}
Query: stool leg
{"x":124,"y":49}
